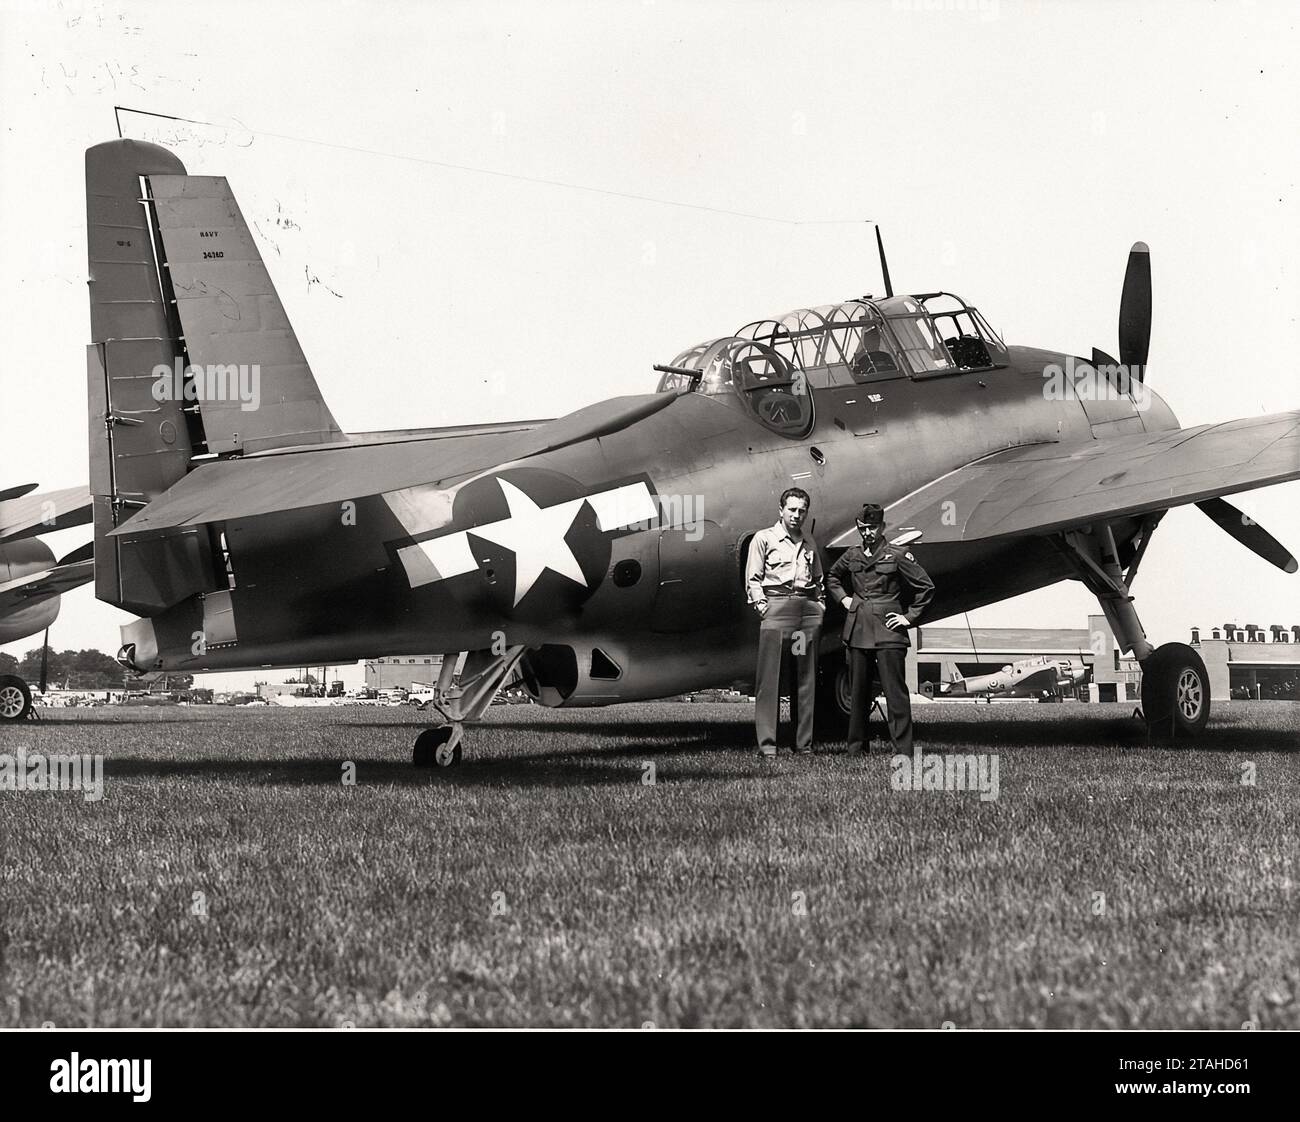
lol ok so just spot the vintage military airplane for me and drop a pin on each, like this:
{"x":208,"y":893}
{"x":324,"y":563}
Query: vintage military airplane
{"x":31,"y":580}
{"x":1043,"y":677}
{"x":600,"y":553}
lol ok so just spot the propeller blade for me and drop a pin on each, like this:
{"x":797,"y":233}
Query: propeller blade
{"x":1135,"y":311}
{"x":81,"y":553}
{"x":1252,"y":535}
{"x":1101,"y":358}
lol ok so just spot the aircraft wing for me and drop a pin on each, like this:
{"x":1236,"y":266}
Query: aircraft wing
{"x":332,"y":472}
{"x":1042,"y":488}
{"x":27,"y":514}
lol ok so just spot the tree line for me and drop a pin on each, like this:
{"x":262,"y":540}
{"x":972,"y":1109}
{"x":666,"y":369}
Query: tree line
{"x":81,"y":670}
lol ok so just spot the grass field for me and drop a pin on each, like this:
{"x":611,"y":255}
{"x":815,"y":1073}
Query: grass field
{"x":545,"y":882}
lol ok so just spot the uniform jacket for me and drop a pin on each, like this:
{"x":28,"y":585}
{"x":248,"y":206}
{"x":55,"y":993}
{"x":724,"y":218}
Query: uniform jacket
{"x":886,"y":580}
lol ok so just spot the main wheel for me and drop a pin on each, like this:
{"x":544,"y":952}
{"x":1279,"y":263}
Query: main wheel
{"x":438,"y":747}
{"x":1175,"y":691}
{"x":831,"y":720}
{"x":15,"y":698}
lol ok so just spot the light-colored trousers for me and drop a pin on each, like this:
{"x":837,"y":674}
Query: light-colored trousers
{"x":786,"y":616}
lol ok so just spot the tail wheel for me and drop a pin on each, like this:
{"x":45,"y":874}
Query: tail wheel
{"x":1175,"y":692}
{"x":833,"y":697}
{"x":927,"y":689}
{"x":15,"y":698}
{"x":438,"y":747}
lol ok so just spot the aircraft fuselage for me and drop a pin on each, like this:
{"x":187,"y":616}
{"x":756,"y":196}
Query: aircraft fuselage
{"x":648,"y":570}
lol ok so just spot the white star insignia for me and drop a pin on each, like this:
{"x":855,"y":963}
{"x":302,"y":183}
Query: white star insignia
{"x":534,"y":534}
{"x":536,"y":537}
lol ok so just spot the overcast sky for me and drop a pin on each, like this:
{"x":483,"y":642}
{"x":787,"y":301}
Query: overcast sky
{"x":1011,"y":151}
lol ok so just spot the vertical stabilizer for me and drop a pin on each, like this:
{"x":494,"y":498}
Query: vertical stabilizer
{"x":139,"y":445}
{"x":234,"y":323}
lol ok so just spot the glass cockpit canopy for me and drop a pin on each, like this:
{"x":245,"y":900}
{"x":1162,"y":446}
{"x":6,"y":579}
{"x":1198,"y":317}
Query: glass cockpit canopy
{"x":773,"y":363}
{"x":770,"y":386}
{"x":966,"y":334}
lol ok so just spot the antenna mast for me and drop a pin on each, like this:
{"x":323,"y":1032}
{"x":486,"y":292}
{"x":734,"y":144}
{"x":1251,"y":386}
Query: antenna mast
{"x":884,"y":265}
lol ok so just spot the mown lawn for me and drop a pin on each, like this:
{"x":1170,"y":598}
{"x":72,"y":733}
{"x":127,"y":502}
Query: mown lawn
{"x":544,"y":882}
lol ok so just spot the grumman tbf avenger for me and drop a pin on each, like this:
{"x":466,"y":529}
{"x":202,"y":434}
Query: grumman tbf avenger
{"x":32,"y":581}
{"x":565,"y":548}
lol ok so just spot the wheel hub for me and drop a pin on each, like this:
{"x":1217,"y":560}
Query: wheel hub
{"x":11,"y":702}
{"x":1191,"y":696}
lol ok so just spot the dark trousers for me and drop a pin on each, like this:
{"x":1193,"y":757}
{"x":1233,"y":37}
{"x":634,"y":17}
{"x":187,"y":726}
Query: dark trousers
{"x":784,"y":618}
{"x":889,"y":663}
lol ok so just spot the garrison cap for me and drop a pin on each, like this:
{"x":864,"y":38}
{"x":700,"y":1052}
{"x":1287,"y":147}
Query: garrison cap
{"x":872,"y":514}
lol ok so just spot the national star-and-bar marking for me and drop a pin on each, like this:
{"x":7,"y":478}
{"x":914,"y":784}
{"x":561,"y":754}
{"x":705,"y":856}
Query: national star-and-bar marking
{"x":534,"y":534}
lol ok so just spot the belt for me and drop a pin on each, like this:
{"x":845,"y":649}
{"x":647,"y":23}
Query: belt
{"x":781,"y":595}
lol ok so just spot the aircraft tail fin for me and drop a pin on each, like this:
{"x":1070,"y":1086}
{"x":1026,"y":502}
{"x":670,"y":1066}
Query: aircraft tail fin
{"x":949,"y":673}
{"x":258,"y":391}
{"x":191,"y":356}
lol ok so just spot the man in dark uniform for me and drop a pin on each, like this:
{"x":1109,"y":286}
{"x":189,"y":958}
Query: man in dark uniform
{"x":871,"y":581}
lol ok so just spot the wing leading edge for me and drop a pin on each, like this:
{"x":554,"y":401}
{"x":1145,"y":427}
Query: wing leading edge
{"x":1043,"y":488}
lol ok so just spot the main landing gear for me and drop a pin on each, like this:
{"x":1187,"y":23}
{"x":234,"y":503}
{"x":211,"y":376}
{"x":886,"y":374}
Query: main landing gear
{"x":15,"y":698}
{"x":831,"y":717}
{"x":480,"y":681}
{"x":1175,"y":683}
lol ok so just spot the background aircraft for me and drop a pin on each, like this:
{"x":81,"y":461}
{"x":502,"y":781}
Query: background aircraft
{"x":1027,"y":677}
{"x":31,"y":580}
{"x":600,"y":553}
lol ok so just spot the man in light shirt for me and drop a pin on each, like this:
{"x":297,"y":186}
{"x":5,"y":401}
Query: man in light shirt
{"x":784,"y":579}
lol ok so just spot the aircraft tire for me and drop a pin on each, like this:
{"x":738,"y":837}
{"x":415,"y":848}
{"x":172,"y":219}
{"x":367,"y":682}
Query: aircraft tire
{"x":831,"y":719}
{"x":1175,"y":692}
{"x":15,"y":698}
{"x":928,"y":689}
{"x":432,"y":748}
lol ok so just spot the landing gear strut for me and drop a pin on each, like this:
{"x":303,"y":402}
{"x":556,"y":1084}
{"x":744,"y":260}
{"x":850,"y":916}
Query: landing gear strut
{"x":480,"y":681}
{"x":1175,"y":683}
